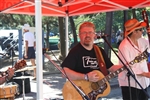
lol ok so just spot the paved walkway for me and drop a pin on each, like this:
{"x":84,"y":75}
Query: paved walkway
{"x":52,"y":88}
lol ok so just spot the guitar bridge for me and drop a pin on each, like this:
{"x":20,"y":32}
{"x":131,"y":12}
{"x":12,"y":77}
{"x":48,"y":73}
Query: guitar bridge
{"x":93,"y":94}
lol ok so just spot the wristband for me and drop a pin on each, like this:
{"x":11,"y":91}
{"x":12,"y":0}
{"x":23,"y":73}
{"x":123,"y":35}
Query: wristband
{"x":86,"y":77}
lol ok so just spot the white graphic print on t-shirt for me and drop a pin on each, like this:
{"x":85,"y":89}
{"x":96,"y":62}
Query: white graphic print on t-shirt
{"x":89,"y":62}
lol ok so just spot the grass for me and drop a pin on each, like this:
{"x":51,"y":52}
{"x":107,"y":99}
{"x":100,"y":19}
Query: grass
{"x":114,"y":58}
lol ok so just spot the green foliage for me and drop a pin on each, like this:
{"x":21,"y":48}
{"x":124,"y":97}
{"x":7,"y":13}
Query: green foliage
{"x":79,"y":19}
{"x":118,"y":19}
{"x":14,"y":21}
{"x":51,"y":23}
{"x":99,"y":21}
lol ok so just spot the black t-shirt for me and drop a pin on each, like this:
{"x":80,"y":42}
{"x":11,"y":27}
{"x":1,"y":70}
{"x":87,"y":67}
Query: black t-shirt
{"x":81,"y":60}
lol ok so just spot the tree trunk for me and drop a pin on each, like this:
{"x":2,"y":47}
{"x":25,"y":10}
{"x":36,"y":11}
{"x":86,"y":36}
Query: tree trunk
{"x":133,"y":12}
{"x":125,"y":18}
{"x":47,"y":35}
{"x":108,"y":30}
{"x":62,"y":38}
{"x":73,"y":31}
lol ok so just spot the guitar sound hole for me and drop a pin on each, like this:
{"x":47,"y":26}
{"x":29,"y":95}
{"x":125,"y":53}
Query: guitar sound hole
{"x":94,"y":85}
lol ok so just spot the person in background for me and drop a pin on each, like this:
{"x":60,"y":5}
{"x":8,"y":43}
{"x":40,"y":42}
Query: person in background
{"x":81,"y":61}
{"x":132,"y":45}
{"x":29,"y":46}
{"x":4,"y":77}
{"x":120,"y":38}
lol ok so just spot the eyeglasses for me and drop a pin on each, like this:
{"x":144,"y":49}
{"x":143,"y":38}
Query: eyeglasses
{"x":139,"y":29}
{"x":87,"y":32}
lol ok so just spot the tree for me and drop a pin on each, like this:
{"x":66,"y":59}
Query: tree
{"x":62,"y":38}
{"x":108,"y":30}
{"x":49,"y":24}
{"x":73,"y":30}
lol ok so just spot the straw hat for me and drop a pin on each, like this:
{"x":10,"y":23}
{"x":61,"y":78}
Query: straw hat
{"x":132,"y":25}
{"x":26,"y":27}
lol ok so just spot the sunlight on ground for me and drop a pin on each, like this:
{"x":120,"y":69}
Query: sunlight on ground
{"x":114,"y":58}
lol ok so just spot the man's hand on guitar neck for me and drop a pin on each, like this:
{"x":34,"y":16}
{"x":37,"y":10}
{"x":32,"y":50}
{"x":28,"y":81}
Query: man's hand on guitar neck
{"x":5,"y":76}
{"x":10,"y":73}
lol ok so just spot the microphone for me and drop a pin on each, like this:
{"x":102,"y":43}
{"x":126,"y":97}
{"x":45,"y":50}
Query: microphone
{"x":99,"y":36}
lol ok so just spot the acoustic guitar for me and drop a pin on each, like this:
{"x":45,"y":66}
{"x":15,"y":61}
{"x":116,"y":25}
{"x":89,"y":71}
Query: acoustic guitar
{"x":94,"y":90}
{"x":10,"y":91}
{"x":18,"y":65}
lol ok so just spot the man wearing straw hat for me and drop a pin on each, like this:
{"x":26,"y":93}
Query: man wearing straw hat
{"x":132,"y":45}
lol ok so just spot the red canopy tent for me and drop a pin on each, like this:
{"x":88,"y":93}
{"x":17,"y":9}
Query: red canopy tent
{"x":69,"y":8}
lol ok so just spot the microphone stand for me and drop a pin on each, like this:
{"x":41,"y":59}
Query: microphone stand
{"x":129,"y":72}
{"x":84,"y":96}
{"x":12,"y":56}
{"x":128,"y":75}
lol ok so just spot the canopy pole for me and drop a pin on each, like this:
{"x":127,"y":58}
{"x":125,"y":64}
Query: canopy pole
{"x":67,"y":42}
{"x":39,"y":54}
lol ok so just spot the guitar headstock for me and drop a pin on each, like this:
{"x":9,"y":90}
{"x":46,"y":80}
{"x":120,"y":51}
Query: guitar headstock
{"x":145,"y":17}
{"x":20,"y":64}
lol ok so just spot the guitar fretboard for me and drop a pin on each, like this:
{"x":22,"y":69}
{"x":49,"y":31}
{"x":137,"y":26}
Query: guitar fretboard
{"x":18,"y":65}
{"x":140,"y":57}
{"x":111,"y":75}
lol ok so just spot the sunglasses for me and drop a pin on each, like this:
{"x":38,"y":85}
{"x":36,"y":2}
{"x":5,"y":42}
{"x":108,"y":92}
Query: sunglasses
{"x":139,"y":29}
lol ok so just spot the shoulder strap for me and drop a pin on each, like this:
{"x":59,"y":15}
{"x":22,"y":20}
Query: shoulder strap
{"x":100,"y":60}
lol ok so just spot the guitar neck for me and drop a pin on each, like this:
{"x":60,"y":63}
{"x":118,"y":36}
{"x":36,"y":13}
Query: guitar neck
{"x":5,"y":73}
{"x":110,"y":76}
{"x":18,"y":65}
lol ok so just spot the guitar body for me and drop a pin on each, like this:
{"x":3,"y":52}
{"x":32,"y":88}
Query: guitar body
{"x":91,"y":89}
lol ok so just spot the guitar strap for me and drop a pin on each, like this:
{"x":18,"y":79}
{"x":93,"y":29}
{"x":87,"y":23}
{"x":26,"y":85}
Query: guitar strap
{"x":100,"y":60}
